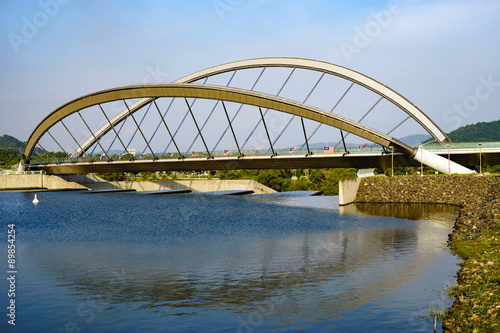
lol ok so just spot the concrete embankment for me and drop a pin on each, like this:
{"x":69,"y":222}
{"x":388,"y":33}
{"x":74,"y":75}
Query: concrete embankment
{"x":91,"y":182}
{"x":474,"y":231}
{"x":35,"y":181}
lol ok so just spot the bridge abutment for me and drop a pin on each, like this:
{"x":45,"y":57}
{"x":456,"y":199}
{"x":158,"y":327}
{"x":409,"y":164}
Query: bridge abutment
{"x":348,"y":188}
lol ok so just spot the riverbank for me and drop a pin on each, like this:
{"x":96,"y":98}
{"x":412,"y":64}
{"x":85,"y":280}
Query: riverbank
{"x":91,"y":182}
{"x":475,"y":238}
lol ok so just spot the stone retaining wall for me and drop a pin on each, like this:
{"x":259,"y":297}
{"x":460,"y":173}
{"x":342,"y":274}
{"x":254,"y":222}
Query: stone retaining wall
{"x":478,"y":196}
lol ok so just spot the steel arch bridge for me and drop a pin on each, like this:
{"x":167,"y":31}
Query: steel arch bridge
{"x":79,"y":157}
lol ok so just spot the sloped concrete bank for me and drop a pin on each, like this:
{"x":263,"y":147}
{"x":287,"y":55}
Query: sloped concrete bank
{"x":479,"y":215}
{"x":35,"y":181}
{"x":92,"y":182}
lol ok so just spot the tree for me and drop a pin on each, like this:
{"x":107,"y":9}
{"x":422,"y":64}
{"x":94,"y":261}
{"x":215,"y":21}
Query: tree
{"x":274,"y":179}
{"x":8,"y":158}
{"x":113,"y":176}
{"x":330,"y":185}
{"x":326,"y":180}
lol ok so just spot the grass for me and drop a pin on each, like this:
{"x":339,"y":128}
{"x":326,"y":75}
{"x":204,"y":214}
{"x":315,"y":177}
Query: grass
{"x":478,"y":292}
{"x":434,"y":313}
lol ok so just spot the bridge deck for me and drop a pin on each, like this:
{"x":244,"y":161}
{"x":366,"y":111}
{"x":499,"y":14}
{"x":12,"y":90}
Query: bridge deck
{"x":355,"y":159}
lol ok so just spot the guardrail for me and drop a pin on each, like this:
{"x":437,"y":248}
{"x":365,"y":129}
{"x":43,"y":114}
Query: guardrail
{"x":38,"y":172}
{"x":217,"y":153}
{"x":258,"y":152}
{"x":460,"y":145}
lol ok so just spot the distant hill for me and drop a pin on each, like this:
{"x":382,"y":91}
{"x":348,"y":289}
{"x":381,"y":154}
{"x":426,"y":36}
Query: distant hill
{"x":329,"y":144}
{"x":10,"y":142}
{"x":414,"y":139}
{"x":7,"y":141}
{"x":480,"y":132}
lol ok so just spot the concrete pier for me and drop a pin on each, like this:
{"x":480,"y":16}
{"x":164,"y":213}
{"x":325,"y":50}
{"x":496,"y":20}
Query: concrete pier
{"x":348,"y":188}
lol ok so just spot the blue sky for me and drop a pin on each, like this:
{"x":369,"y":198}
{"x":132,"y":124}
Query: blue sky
{"x":442,"y":55}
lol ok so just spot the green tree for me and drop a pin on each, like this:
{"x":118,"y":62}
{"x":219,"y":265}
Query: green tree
{"x":330,"y":184}
{"x":8,"y":158}
{"x":317,"y":176}
{"x":297,"y":185}
{"x":274,"y":179}
{"x":113,"y":176}
{"x":229,"y":174}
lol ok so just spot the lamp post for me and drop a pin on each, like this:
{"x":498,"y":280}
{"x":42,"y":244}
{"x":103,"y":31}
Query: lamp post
{"x":449,"y":166}
{"x":392,"y":160}
{"x":480,"y":161}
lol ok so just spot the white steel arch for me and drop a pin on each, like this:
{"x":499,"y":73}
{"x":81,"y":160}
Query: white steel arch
{"x":204,"y":91}
{"x":313,"y":65}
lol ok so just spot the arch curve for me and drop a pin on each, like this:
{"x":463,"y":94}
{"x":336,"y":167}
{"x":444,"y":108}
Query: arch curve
{"x":332,"y":69}
{"x":204,"y":91}
{"x":314,"y":65}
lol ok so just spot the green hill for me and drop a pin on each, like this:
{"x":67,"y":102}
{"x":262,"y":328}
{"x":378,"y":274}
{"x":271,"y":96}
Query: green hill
{"x":414,"y":139}
{"x":480,"y":132}
{"x":10,"y":151}
{"x":7,"y":141}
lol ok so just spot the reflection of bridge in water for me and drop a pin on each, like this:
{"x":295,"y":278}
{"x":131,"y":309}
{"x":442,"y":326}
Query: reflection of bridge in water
{"x":317,"y":259}
{"x":183,"y":125}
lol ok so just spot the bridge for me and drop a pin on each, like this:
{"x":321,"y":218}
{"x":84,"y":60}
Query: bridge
{"x":184,"y":125}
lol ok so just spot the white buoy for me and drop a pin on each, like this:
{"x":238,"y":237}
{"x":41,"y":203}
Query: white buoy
{"x":35,"y":201}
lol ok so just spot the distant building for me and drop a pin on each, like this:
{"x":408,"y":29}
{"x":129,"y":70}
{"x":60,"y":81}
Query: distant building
{"x":131,"y":151}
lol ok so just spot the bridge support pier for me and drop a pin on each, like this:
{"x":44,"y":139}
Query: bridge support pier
{"x":21,"y":167}
{"x":439,"y":163}
{"x":348,"y":188}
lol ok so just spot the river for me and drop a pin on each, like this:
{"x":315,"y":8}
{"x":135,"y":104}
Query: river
{"x":128,"y":262}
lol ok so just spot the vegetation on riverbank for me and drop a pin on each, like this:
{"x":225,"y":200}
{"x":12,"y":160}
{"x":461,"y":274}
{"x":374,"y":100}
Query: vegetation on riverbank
{"x":8,"y":158}
{"x":326,"y":180}
{"x":477,"y":294}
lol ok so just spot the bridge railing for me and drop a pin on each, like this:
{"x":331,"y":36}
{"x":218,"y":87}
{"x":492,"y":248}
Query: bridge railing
{"x":460,"y":145}
{"x":199,"y":154}
{"x":252,"y":152}
{"x":37,"y":172}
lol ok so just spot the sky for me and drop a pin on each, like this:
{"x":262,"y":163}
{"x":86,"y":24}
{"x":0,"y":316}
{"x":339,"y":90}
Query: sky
{"x":442,"y":55}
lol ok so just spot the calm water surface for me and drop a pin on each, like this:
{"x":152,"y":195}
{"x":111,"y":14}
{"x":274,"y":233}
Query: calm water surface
{"x":126,"y":262}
